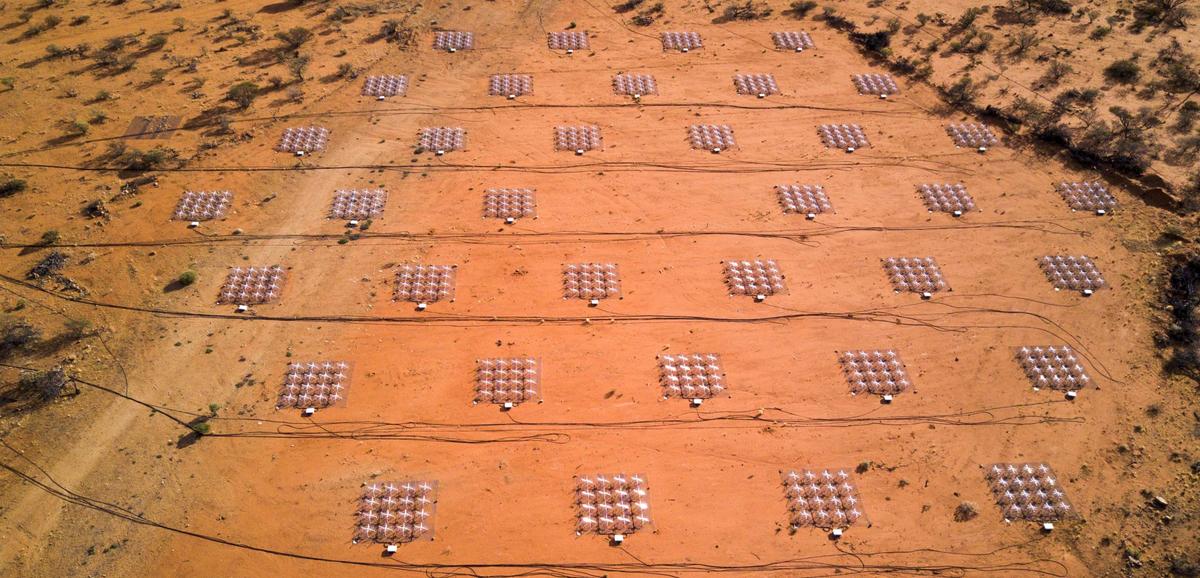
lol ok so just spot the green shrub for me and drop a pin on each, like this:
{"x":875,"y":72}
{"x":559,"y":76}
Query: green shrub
{"x":10,"y":187}
{"x":1123,"y":71}
{"x":187,"y":278}
{"x":242,"y":94}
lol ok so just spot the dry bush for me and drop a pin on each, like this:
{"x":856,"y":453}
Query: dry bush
{"x":748,"y":10}
{"x":966,"y":511}
{"x":17,"y":335}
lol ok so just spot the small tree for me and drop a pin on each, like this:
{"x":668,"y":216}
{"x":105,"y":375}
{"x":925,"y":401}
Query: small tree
{"x":297,"y":65}
{"x":242,"y":94}
{"x":962,"y":92}
{"x":294,"y":38}
{"x":799,"y":10}
{"x":187,"y":278}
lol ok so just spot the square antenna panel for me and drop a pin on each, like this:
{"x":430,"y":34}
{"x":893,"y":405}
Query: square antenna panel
{"x":318,"y":384}
{"x":569,"y":40}
{"x":1028,"y":492}
{"x":507,"y":380}
{"x":425,"y":283}
{"x":843,"y":136}
{"x":875,"y":84}
{"x":395,"y":512}
{"x":880,"y":372}
{"x":385,"y":85}
{"x":794,"y":41}
{"x":610,"y":505}
{"x":803,"y":199}
{"x":681,"y":41}
{"x":1054,"y":367}
{"x":509,"y":203}
{"x":711,"y":137}
{"x":252,"y":285}
{"x":304,"y":139}
{"x":453,"y":41}
{"x":758,"y":277}
{"x":1076,"y":273}
{"x":202,"y":205}
{"x":691,"y":375}
{"x":755,"y":84}
{"x":510,"y":85}
{"x":946,"y":198}
{"x":975,"y":135}
{"x":915,"y":274}
{"x":357,"y":204}
{"x":442,"y":138}
{"x":1087,"y":196}
{"x":825,"y":499}
{"x":634,"y":84}
{"x":577,"y":138}
{"x":591,"y":281}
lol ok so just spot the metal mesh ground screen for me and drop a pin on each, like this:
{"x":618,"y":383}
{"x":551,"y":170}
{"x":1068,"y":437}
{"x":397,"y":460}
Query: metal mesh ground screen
{"x":202,"y":205}
{"x":711,"y":137}
{"x":305,"y":139}
{"x":395,"y":512}
{"x":1073,"y":272}
{"x":316,"y":384}
{"x":577,"y":138}
{"x":755,"y":84}
{"x":821,"y":499}
{"x":591,"y":281}
{"x":385,"y":85}
{"x":569,"y":40}
{"x":1028,"y":492}
{"x":509,"y":203}
{"x":425,"y":283}
{"x":634,"y":84}
{"x":975,"y":135}
{"x":804,"y":199}
{"x":946,"y":198}
{"x":1087,"y":196}
{"x":875,"y":84}
{"x":691,"y":375}
{"x":252,"y":285}
{"x":1054,"y":367}
{"x":356,"y":204}
{"x":611,"y":504}
{"x":843,"y":136}
{"x":442,"y":138}
{"x":681,"y":41}
{"x":794,"y":41}
{"x":453,"y":41}
{"x":504,"y":380}
{"x":753,"y":277}
{"x":915,"y":274}
{"x":510,"y":85}
{"x":880,"y":372}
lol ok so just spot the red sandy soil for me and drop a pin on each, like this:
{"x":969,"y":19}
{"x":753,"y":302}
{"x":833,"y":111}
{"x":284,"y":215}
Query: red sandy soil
{"x":273,"y":501}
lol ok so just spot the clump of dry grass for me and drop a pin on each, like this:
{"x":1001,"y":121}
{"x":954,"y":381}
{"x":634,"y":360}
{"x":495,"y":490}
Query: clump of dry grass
{"x":966,"y":511}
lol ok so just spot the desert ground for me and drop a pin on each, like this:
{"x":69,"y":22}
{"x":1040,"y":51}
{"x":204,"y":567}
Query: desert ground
{"x":165,"y":452}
